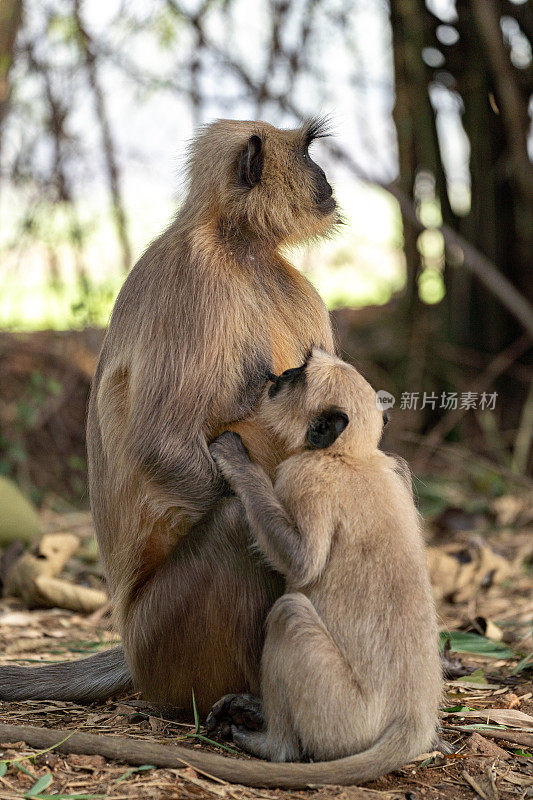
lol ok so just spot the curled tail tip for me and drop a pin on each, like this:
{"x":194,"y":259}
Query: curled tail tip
{"x":394,"y":749}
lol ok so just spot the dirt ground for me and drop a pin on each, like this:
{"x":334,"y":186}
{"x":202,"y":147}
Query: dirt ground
{"x":481,"y":569}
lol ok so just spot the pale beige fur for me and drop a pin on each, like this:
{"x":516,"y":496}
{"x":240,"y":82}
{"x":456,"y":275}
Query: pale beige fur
{"x":350,"y":665}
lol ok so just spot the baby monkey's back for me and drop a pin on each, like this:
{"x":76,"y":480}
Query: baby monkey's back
{"x":375,"y":660}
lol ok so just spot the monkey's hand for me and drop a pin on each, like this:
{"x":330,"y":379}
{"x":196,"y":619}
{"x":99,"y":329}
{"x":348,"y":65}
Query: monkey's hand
{"x":230,"y":455}
{"x":235,"y":709}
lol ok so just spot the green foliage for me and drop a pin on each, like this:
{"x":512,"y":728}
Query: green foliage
{"x":38,"y":391}
{"x":165,"y":28}
{"x":478,"y":676}
{"x":130,"y":772}
{"x":72,"y":796}
{"x":93,"y":305}
{"x":525,"y":663}
{"x":21,"y":768}
{"x":62,"y":28}
{"x":18,"y":519}
{"x":461,"y":642}
{"x":42,"y":784}
{"x":196,"y":715}
{"x":473,"y":493}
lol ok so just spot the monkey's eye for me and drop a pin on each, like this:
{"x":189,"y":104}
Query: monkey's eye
{"x":385,"y":418}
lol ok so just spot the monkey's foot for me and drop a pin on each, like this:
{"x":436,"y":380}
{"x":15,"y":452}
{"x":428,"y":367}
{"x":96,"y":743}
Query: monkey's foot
{"x":253,"y":742}
{"x":235,"y":709}
{"x":446,"y":748}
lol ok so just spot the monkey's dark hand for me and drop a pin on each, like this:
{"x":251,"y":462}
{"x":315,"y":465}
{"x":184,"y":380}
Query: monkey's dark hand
{"x":230,"y":455}
{"x":235,"y":709}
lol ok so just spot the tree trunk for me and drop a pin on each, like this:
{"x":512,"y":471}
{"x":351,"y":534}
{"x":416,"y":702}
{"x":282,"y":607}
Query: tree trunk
{"x":10,"y":19}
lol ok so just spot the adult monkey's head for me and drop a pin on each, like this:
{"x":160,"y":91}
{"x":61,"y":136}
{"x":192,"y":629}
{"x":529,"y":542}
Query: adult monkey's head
{"x":254,"y":181}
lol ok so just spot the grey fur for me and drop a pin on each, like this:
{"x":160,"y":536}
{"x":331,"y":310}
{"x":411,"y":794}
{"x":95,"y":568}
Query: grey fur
{"x":83,"y":681}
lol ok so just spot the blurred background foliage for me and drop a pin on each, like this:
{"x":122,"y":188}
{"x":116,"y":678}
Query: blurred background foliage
{"x":429,"y":281}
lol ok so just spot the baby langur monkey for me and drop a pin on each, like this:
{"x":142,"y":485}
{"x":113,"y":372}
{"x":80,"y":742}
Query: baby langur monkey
{"x":350,"y":665}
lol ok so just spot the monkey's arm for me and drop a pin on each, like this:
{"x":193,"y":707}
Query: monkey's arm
{"x":185,"y":473}
{"x":291,"y":549}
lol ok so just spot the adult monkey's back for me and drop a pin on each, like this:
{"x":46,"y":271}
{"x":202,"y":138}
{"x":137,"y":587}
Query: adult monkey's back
{"x":206,"y":312}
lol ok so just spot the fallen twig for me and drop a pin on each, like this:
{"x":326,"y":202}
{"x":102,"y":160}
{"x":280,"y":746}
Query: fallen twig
{"x":516,"y":737}
{"x":474,"y":784}
{"x":119,"y":748}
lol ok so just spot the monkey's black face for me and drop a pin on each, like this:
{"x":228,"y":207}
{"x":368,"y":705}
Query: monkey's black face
{"x":322,"y":190}
{"x":323,"y":193}
{"x":326,"y":428}
{"x":287,"y":379}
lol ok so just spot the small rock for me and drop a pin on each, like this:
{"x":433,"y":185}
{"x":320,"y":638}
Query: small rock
{"x":86,"y":762}
{"x":484,"y":747}
{"x":189,"y":772}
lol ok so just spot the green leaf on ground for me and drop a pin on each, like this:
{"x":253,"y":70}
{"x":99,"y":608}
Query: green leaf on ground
{"x":473,"y":643}
{"x":130,"y":772}
{"x":478,"y":676}
{"x":525,"y":663}
{"x":480,"y":726}
{"x":42,"y":784}
{"x":205,"y":739}
{"x":72,"y":797}
{"x":196,"y":715}
{"x":18,"y":765}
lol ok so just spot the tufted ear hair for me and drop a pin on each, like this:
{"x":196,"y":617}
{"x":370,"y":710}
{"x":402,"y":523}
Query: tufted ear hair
{"x":251,"y":164}
{"x":326,"y":428}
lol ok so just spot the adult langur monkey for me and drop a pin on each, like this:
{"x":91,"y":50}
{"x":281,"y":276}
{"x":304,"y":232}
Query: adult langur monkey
{"x":210,"y":308}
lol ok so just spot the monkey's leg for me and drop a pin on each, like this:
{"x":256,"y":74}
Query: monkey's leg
{"x":310,"y":697}
{"x":197,"y":624}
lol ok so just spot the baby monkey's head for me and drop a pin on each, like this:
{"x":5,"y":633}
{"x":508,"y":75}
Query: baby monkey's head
{"x":324,"y":403}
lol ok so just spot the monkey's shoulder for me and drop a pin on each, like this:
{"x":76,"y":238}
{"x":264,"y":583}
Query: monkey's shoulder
{"x":347,"y":487}
{"x":311,"y":477}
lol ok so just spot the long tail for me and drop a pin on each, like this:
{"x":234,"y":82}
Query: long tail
{"x":84,"y":680}
{"x":391,"y":751}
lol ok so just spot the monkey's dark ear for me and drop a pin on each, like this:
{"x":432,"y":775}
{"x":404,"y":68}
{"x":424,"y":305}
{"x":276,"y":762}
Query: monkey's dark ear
{"x":251,"y":166}
{"x":326,"y":428}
